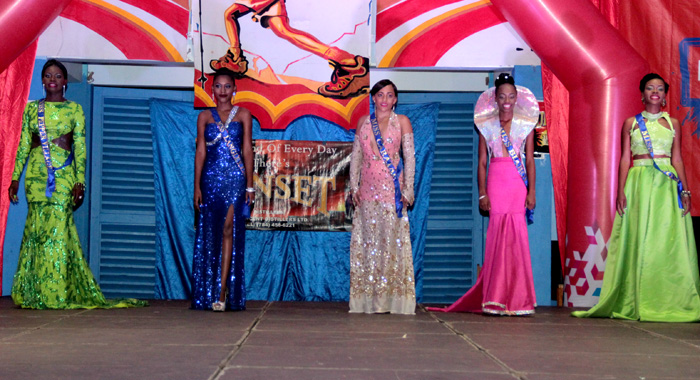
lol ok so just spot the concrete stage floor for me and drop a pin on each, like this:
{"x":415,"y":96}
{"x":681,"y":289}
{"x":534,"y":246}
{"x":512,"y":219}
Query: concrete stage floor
{"x":305,"y":340}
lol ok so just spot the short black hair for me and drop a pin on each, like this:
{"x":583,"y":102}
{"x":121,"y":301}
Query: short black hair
{"x":383,"y":83}
{"x":504,"y":78}
{"x":226,"y":72}
{"x":648,"y":77}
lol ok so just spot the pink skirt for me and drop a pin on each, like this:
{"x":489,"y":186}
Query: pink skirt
{"x":505,"y":285}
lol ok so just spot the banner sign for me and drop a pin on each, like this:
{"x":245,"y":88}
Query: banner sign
{"x":448,"y":34}
{"x":301,"y":185}
{"x":119,"y":30}
{"x":293,"y":58}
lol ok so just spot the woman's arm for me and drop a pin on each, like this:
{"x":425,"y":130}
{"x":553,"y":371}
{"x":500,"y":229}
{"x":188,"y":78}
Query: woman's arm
{"x":80,"y":155}
{"x":530,"y":167}
{"x":677,"y":162}
{"x":409,"y":159}
{"x":356,"y":164}
{"x":484,"y":202}
{"x":199,"y":156}
{"x":248,"y":157}
{"x":623,"y":169}
{"x":25,"y":143}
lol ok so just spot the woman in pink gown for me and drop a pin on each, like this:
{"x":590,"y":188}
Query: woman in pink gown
{"x":381,"y":260}
{"x":505,"y":285}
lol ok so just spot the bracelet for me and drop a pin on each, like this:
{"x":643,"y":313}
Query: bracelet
{"x":685,"y":193}
{"x":482,"y":197}
{"x":249,"y":189}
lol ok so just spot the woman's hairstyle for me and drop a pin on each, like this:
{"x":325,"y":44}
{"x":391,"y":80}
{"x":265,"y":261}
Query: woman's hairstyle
{"x":502,"y":79}
{"x":647,"y":78}
{"x":383,"y":83}
{"x":226,"y":72}
{"x":55,"y":62}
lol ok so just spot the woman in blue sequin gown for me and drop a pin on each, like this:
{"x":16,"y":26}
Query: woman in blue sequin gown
{"x":221,"y":192}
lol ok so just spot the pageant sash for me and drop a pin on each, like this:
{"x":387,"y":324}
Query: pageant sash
{"x":223,"y":129}
{"x":529,"y":214}
{"x":43,"y":137}
{"x":387,"y":161}
{"x":647,"y":140}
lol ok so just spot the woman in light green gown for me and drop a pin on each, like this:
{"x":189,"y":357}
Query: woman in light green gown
{"x":651,"y":272}
{"x":52,"y":272}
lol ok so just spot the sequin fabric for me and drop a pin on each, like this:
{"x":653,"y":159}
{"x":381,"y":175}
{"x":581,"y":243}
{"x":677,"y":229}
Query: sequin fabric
{"x":381,"y":260}
{"x":52,"y":272}
{"x":222,"y":185}
{"x":661,"y":136}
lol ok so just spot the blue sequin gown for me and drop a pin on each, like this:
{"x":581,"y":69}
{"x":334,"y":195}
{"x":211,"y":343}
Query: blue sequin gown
{"x":222,"y":185}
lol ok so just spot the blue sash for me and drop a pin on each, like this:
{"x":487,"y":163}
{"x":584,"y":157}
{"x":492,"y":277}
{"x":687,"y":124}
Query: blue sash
{"x":529,"y":214}
{"x":387,"y":161}
{"x":223,"y":129}
{"x":647,"y":140}
{"x":43,"y":137}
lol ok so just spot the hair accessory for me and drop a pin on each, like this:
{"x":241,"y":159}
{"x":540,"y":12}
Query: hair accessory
{"x":526,"y":106}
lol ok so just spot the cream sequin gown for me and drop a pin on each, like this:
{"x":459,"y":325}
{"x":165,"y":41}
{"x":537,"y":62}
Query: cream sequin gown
{"x":381,"y":260}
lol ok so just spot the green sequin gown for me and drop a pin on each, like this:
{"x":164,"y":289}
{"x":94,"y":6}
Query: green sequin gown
{"x":52,"y":272}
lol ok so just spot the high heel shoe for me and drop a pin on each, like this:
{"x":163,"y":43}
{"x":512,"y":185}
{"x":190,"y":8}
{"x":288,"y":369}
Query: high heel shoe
{"x":218,"y":306}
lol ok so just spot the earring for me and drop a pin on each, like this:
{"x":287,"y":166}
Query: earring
{"x":663,"y":104}
{"x":643,"y":101}
{"x":233,"y":96}
{"x":64,"y":90}
{"x":43,"y":89}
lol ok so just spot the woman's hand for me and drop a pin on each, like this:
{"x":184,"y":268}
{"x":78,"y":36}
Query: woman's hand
{"x":355,"y":200}
{"x":249,"y":198}
{"x":530,"y":201}
{"x":621,"y":204}
{"x":12,"y":191}
{"x":197,"y":198}
{"x":485,"y":203}
{"x":78,"y":193}
{"x":685,"y":200}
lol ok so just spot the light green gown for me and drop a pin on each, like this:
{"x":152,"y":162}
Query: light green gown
{"x":651,"y":272}
{"x":52,"y":272}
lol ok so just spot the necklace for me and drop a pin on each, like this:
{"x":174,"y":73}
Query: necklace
{"x":652,"y":116}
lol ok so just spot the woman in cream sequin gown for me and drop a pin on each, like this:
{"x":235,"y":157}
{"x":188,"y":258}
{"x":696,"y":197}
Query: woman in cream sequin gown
{"x":381,"y":260}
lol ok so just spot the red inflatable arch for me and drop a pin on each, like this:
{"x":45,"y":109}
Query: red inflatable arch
{"x":21,"y":22}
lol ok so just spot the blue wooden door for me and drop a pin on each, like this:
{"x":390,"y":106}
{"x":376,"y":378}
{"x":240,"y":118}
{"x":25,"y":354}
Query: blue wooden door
{"x":122,"y":211}
{"x":455,"y":235}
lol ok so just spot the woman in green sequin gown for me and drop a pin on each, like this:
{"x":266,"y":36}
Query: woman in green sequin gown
{"x":651,"y":273}
{"x":52,"y":272}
